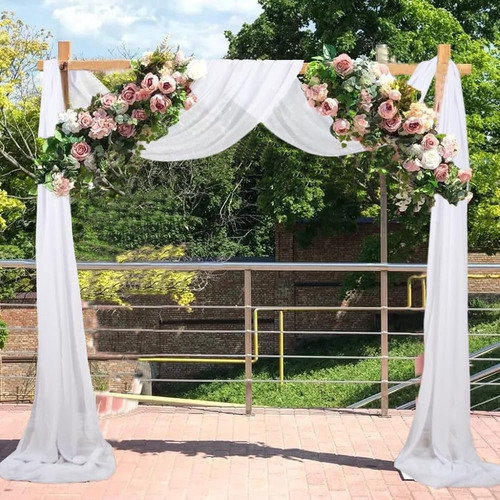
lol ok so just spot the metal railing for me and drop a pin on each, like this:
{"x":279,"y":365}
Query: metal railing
{"x":251,"y":329}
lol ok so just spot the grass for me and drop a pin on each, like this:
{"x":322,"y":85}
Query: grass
{"x":299,"y":395}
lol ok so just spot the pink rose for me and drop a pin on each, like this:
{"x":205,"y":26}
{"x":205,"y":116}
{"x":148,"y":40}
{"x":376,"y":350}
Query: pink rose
{"x":129,"y":93}
{"x":319,"y":92}
{"x":139,"y":114}
{"x":430,"y":141}
{"x":412,"y":165}
{"x":441,"y":172}
{"x":190,"y":101}
{"x":387,"y":109}
{"x":84,"y":119}
{"x":62,"y":186}
{"x":360,"y":124}
{"x":392,"y":124}
{"x":159,"y":103}
{"x":167,"y":85}
{"x":343,"y":65}
{"x":100,"y":113}
{"x":413,"y":125}
{"x":329,"y":107}
{"x":107,"y":100}
{"x":142,"y":95}
{"x":179,"y":78}
{"x":395,"y":95}
{"x":311,"y":103}
{"x":340,"y":126}
{"x":126,"y":130}
{"x":150,"y":82}
{"x":80,"y":150}
{"x":464,"y":175}
{"x":366,"y":100}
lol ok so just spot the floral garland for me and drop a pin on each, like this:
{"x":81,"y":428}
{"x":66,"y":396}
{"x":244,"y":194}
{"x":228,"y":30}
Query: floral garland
{"x":90,"y":145}
{"x":367,"y":104}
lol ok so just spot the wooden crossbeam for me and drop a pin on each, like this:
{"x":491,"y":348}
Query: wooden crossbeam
{"x":66,"y":64}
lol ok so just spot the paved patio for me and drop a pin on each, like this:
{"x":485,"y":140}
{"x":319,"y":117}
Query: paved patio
{"x":216,"y":454}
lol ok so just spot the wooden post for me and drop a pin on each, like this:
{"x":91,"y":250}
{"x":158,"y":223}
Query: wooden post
{"x":63,"y":57}
{"x":443,"y":59}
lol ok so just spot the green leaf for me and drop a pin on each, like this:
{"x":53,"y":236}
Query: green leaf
{"x":329,"y":52}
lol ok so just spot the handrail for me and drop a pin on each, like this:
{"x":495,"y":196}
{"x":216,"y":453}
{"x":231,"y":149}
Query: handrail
{"x":246,"y":266}
{"x":416,"y":380}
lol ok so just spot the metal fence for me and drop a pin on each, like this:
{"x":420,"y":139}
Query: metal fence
{"x":251,"y":311}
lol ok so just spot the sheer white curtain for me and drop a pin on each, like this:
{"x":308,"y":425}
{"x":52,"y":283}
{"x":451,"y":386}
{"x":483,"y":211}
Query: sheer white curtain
{"x":440,"y":450}
{"x":62,"y":442}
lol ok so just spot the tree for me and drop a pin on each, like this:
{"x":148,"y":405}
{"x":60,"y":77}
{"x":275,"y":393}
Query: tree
{"x":412,"y":29}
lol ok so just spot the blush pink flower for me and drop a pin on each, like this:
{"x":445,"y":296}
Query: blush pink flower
{"x":179,"y":57}
{"x":84,"y":119}
{"x":190,"y":101}
{"x":129,"y":93}
{"x":392,"y":124}
{"x":179,"y":78}
{"x":341,"y":126}
{"x":159,"y":103}
{"x":167,"y":85}
{"x":413,"y":125}
{"x":343,"y":65}
{"x":126,"y":130}
{"x":329,"y":107}
{"x":366,"y":100}
{"x":81,"y":150}
{"x":387,"y":110}
{"x":102,"y":126}
{"x":150,"y":82}
{"x":441,"y":172}
{"x":62,"y":186}
{"x":139,"y":114}
{"x":142,"y":95}
{"x":383,"y":68}
{"x":394,"y":94}
{"x":360,"y":124}
{"x":430,"y":141}
{"x":412,"y":165}
{"x":464,"y":175}
{"x":449,"y":147}
{"x":107,"y":100}
{"x":319,"y":93}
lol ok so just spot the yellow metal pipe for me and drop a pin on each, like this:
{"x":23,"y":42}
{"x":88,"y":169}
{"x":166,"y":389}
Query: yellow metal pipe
{"x":228,"y":361}
{"x":282,"y":346}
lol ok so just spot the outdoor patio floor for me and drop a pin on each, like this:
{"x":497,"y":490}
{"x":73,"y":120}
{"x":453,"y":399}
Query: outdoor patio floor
{"x":218,"y":454}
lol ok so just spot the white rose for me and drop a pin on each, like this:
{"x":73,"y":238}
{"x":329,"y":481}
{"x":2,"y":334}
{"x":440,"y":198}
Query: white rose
{"x":431,"y":159}
{"x":196,"y":69}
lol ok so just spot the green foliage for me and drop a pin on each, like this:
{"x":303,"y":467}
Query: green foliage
{"x":4,"y":333}
{"x":290,"y":29}
{"x":331,"y":395}
{"x":113,"y":286}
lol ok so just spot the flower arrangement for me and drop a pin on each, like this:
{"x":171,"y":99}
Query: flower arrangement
{"x":369,"y":105}
{"x":89,"y":145}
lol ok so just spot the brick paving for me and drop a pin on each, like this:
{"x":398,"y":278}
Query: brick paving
{"x":220,"y":454}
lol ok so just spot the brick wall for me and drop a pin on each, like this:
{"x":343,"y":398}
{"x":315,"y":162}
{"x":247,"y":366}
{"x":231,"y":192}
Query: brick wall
{"x":120,"y":328}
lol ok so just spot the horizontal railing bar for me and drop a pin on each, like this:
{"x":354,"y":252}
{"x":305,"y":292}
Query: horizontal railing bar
{"x":246,"y":266}
{"x":484,"y":402}
{"x":286,"y":332}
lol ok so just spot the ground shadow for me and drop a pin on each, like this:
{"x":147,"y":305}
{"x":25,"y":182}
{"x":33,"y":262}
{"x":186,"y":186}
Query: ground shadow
{"x":226,"y":449}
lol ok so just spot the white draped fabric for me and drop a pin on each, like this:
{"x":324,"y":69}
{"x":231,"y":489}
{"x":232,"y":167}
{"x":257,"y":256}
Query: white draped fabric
{"x":233,"y":99}
{"x":62,"y":442}
{"x":440,"y":450}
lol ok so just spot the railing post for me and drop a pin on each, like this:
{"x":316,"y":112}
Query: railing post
{"x":384,"y":301}
{"x":248,"y":340}
{"x":282,"y":346}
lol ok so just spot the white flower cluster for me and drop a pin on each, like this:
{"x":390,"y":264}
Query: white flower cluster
{"x":69,"y":120}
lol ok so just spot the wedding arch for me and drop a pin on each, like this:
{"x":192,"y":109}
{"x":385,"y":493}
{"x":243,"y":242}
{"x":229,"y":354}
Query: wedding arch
{"x":63,"y":441}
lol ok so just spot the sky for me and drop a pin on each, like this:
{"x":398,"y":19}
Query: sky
{"x":98,"y":28}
